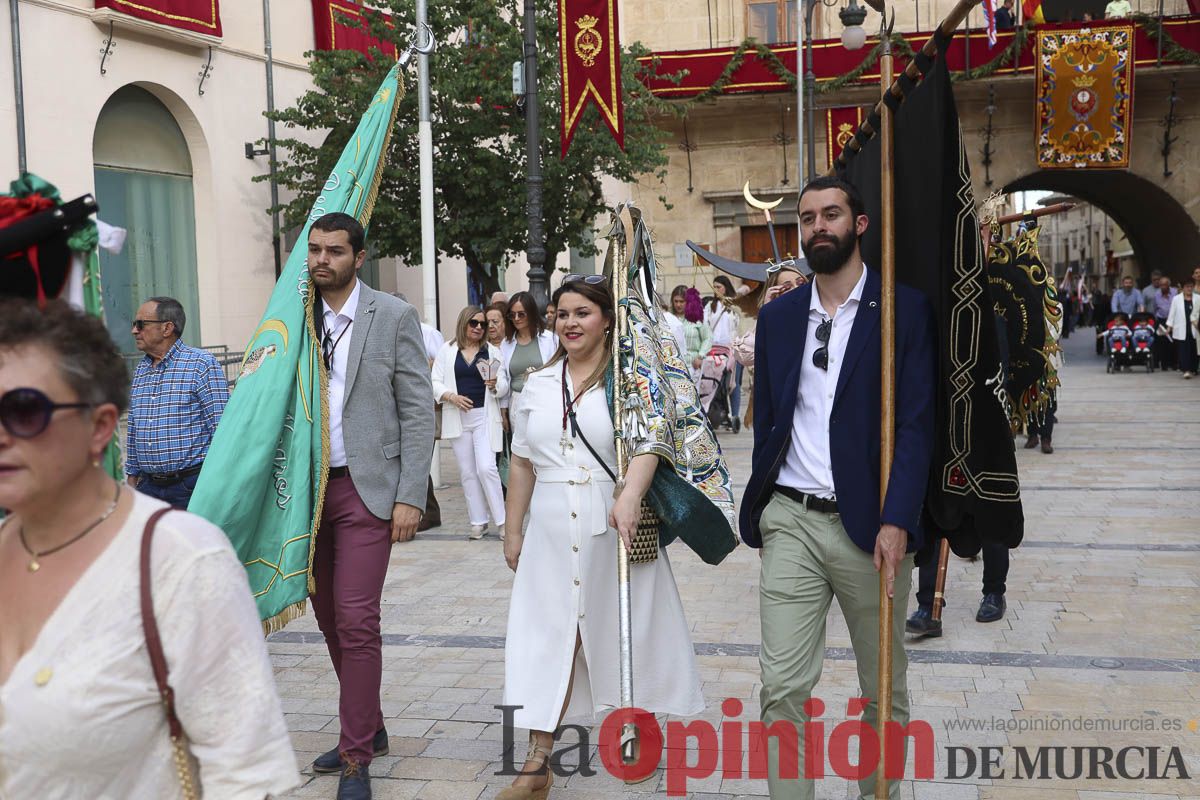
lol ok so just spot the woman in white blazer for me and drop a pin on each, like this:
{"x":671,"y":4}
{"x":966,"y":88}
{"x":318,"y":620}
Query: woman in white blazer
{"x":530,"y":344}
{"x":471,"y":417}
{"x":1181,"y":325}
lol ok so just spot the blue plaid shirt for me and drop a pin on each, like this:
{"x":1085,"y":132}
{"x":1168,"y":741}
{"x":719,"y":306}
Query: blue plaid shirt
{"x":173,"y":410}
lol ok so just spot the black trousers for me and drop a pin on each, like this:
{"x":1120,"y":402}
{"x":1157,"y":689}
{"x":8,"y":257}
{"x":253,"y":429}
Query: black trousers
{"x":1046,"y":428}
{"x":1185,"y":352}
{"x":995,"y":573}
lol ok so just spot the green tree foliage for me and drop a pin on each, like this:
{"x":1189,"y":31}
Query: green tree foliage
{"x":479,"y":137}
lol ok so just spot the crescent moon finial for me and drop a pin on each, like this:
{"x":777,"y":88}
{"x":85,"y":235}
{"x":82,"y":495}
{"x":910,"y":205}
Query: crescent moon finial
{"x":755,"y":202}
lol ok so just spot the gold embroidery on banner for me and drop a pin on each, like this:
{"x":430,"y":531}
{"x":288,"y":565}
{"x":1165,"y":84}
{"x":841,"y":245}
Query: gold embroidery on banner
{"x":588,"y":41}
{"x":608,"y":107}
{"x":845,"y":134}
{"x":211,"y":22}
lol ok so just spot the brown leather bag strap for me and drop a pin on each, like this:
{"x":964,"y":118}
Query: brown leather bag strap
{"x":158,"y":660}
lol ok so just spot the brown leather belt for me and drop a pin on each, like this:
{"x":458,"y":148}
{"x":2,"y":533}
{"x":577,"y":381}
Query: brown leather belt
{"x":807,"y":500}
{"x":339,"y":472}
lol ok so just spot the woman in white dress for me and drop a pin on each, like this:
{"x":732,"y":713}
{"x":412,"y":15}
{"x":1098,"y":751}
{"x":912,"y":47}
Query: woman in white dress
{"x":471,"y":418}
{"x":80,"y":714}
{"x":561,"y":652}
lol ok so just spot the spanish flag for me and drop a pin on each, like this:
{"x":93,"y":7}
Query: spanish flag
{"x":1031,"y":10}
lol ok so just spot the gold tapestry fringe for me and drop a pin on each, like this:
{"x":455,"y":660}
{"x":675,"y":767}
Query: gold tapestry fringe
{"x":280,"y":621}
{"x":369,"y":206}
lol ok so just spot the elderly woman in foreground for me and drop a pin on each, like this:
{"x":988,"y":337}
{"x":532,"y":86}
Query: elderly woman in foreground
{"x":82,"y":714}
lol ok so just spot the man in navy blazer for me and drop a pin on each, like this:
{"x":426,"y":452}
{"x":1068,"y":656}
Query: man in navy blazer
{"x":812,"y":503}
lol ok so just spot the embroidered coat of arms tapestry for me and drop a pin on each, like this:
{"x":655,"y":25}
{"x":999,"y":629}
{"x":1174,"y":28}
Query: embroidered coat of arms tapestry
{"x":1085,"y":97}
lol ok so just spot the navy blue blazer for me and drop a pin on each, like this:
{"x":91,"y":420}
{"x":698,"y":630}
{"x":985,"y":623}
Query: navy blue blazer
{"x":854,"y":418}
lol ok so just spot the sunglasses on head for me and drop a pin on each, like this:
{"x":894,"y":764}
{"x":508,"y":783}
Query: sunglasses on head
{"x":140,"y":324}
{"x":475,"y":323}
{"x":589,"y":279}
{"x":25,"y":413}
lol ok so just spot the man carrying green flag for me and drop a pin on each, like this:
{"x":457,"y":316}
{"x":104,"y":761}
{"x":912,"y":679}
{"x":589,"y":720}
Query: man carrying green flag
{"x":320,"y":462}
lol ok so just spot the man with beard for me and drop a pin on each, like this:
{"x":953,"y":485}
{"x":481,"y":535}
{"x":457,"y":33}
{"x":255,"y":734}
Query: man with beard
{"x":380,"y":445}
{"x":812,"y":503}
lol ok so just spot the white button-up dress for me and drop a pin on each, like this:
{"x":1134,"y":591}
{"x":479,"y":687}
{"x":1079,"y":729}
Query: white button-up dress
{"x":566,"y":581}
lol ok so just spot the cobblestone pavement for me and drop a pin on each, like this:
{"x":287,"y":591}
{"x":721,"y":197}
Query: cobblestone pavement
{"x":1102,"y":631}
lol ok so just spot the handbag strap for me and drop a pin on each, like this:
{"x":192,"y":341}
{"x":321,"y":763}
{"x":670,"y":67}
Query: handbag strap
{"x":158,"y":661}
{"x":578,"y":431}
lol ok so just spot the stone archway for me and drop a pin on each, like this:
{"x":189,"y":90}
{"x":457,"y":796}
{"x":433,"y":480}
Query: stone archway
{"x":1162,"y":233}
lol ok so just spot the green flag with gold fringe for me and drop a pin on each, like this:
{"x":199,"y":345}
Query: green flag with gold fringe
{"x":263,"y":481}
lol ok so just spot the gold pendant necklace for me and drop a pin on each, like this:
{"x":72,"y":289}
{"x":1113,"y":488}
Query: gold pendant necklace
{"x":34,"y":556}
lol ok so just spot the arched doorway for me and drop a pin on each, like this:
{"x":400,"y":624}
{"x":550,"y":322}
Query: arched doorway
{"x":143,"y":174}
{"x":1163,"y":235}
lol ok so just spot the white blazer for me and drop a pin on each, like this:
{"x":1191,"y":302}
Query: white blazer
{"x":443,"y":381}
{"x":1176,"y":320}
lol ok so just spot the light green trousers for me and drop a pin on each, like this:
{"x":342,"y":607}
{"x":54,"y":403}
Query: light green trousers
{"x":808,"y":559}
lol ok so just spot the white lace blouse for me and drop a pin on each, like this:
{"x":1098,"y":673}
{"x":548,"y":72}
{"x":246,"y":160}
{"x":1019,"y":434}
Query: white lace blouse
{"x":80,"y":715}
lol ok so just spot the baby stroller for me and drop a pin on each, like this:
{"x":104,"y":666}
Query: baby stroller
{"x":1141,"y":351}
{"x":716,"y":387}
{"x":1128,"y":345}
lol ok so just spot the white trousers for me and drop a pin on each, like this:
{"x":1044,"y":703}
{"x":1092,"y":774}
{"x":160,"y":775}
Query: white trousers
{"x":477,"y":467}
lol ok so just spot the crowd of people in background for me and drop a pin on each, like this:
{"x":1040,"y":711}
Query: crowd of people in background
{"x":1165,"y":308}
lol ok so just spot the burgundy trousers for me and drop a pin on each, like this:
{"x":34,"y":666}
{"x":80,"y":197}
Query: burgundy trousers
{"x":349,"y":567}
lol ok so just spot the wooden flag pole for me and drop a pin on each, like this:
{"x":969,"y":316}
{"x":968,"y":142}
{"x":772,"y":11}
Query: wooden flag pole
{"x":887,"y":422}
{"x":939,"y":585}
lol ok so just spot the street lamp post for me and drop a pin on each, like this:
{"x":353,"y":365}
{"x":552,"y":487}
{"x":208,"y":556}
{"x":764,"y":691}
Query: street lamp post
{"x":535,"y":252}
{"x":853,"y":38}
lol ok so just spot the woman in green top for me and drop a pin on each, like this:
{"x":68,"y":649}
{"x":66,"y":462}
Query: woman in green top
{"x":689,"y":309}
{"x":530,"y":345}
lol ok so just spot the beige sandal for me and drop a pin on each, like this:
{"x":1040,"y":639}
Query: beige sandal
{"x":536,"y":753}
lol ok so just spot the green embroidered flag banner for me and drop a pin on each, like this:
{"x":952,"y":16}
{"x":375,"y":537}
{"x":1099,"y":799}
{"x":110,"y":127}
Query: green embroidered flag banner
{"x":263,"y":481}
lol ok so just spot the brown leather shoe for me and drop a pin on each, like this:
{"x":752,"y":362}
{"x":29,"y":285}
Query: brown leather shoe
{"x":1047,"y":448}
{"x":1031,"y":442}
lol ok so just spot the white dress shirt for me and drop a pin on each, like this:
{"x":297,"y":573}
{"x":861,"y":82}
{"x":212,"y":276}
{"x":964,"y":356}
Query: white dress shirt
{"x":808,"y":466}
{"x":337,"y":324}
{"x":433,"y":340}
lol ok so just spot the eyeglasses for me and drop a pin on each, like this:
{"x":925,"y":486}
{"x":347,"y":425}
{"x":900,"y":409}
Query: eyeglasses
{"x":821,"y":356}
{"x":588,"y":279}
{"x":139,"y":325}
{"x":516,"y":315}
{"x":25,"y":413}
{"x":475,"y":323}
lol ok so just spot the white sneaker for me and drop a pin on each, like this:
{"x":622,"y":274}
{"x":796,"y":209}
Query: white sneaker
{"x":477,"y":532}
{"x":1187,"y":376}
{"x":500,"y":530}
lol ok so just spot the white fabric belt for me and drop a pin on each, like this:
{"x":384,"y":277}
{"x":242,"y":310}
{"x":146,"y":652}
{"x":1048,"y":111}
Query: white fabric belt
{"x":592,"y":513}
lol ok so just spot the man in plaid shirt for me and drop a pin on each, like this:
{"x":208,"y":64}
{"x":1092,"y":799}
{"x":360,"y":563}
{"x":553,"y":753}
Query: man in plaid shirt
{"x":177,"y":399}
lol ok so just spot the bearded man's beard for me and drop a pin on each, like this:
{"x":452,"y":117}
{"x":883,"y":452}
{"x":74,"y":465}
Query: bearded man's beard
{"x":828,"y":260}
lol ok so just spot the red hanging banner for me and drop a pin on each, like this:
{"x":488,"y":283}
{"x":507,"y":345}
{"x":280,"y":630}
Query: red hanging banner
{"x":337,"y":25}
{"x":197,"y":16}
{"x":840,"y":126}
{"x":590,"y":60}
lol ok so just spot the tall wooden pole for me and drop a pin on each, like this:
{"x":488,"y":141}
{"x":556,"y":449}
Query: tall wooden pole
{"x":887,"y":422}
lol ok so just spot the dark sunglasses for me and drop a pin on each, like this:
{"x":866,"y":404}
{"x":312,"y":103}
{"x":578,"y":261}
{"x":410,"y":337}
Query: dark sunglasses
{"x":589,"y":279}
{"x":140,"y":324}
{"x":25,"y":413}
{"x":821,"y":356}
{"x":475,"y":323}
